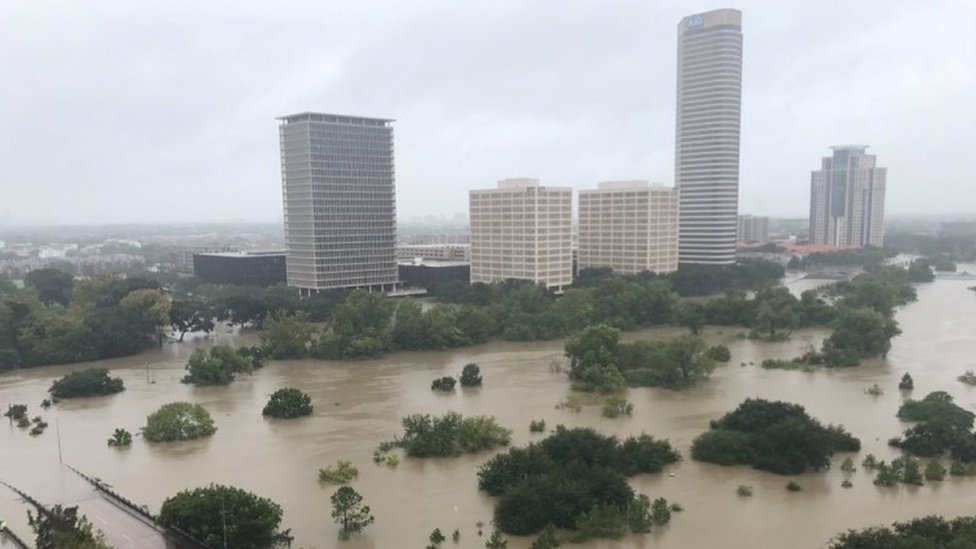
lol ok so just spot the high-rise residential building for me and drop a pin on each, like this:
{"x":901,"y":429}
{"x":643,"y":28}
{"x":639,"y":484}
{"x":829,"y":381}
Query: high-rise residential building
{"x":522,"y":230}
{"x":337,"y":178}
{"x":753,"y":228}
{"x":707,"y":135}
{"x":629,"y":226}
{"x":847,"y":196}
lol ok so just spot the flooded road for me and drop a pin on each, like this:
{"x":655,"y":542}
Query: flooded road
{"x":359,"y":404}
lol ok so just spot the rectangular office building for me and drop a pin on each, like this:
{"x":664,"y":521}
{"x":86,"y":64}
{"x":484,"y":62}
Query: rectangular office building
{"x":522,"y":230}
{"x":337,"y":175}
{"x":629,"y":226}
{"x":847,"y":197}
{"x":753,"y":228}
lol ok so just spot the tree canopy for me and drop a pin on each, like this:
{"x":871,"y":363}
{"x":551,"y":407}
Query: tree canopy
{"x":288,"y":403}
{"x":772,"y":436}
{"x":86,"y":383}
{"x":62,"y":528}
{"x":349,"y":512}
{"x":930,"y":532}
{"x":600,"y":362}
{"x":218,"y":366}
{"x":226,"y":516}
{"x":450,"y":435}
{"x":178,"y":421}
{"x":570,"y":474}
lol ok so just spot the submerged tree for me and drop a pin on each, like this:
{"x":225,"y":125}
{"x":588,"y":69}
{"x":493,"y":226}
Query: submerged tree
{"x":906,"y":383}
{"x":178,"y":421}
{"x":471,"y":375}
{"x":61,"y":528}
{"x":226,"y":516}
{"x":86,"y":383}
{"x":288,"y":403}
{"x":120,"y":438}
{"x":349,"y":512}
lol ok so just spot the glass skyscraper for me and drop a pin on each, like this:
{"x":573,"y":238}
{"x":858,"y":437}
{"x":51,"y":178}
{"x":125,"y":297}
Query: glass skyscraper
{"x":707,"y":135}
{"x":337,"y":176}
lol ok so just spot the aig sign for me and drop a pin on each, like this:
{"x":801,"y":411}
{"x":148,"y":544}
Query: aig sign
{"x":696,"y":21}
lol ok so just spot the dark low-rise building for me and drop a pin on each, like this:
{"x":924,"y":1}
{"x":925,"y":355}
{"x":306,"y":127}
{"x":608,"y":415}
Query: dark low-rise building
{"x":431,"y":274}
{"x":241,"y":268}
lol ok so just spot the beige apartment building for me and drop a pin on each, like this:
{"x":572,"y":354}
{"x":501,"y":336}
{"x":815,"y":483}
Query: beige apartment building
{"x":629,"y":226}
{"x":522,"y":230}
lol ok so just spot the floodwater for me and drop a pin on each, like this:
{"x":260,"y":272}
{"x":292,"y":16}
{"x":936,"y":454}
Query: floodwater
{"x":359,"y":404}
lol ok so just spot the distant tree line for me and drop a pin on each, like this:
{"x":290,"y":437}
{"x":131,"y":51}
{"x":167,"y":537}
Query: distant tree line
{"x":110,"y":316}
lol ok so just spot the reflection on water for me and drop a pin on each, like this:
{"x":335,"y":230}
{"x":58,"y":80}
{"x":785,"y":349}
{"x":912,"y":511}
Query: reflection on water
{"x":359,"y":404}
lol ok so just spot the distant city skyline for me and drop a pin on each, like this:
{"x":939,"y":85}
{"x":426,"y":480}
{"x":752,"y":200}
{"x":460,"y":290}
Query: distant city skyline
{"x":177,"y":126}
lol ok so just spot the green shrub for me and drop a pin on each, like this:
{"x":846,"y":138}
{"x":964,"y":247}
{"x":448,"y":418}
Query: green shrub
{"x":216,"y":367}
{"x":772,"y":436}
{"x":222,"y":516}
{"x":16,"y":412}
{"x":86,"y":383}
{"x":343,"y":472}
{"x":719,"y":353}
{"x":450,"y":435}
{"x":935,"y":471}
{"x":617,"y":406}
{"x":178,"y":421}
{"x":537,"y":426}
{"x":288,"y":403}
{"x":120,"y":438}
{"x":471,"y":376}
{"x":792,"y":486}
{"x":743,"y":491}
{"x":443,"y":384}
{"x":569,"y":474}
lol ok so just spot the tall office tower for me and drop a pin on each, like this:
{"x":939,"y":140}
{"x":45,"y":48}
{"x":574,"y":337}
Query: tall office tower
{"x":707,"y":135}
{"x":847,"y":197}
{"x":629,"y":226}
{"x":337,"y":179}
{"x":522,"y":230}
{"x":753,"y":228}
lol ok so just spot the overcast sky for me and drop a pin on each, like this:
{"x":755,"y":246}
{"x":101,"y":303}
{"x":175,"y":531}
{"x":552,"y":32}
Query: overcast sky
{"x":165,"y":111}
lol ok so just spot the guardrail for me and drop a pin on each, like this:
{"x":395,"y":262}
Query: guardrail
{"x":10,"y":535}
{"x":142,"y":513}
{"x":41,"y":509}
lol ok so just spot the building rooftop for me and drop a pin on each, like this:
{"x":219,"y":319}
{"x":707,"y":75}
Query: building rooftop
{"x":335,"y":118}
{"x":849,"y":147}
{"x":435,"y":263}
{"x":244,"y":254}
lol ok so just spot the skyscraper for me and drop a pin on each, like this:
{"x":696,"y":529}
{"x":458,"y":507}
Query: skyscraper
{"x":522,"y":230}
{"x":629,"y":226}
{"x":707,"y":135}
{"x":337,"y":178}
{"x":847,"y":197}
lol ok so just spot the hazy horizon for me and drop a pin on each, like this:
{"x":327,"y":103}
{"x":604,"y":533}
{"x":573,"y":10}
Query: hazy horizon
{"x":165,"y":114}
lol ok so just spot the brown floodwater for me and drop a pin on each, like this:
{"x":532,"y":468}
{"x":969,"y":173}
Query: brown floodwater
{"x":359,"y":404}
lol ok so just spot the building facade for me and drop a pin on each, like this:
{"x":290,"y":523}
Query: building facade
{"x":241,"y":268}
{"x":753,"y":228}
{"x":453,"y":252}
{"x":522,"y":230}
{"x":431,"y":275}
{"x":337,"y":175}
{"x":628,"y":226}
{"x":709,"y":95}
{"x":847,"y":196}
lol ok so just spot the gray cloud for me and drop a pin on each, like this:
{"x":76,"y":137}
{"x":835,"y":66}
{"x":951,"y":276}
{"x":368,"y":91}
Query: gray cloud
{"x":121,"y":112}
